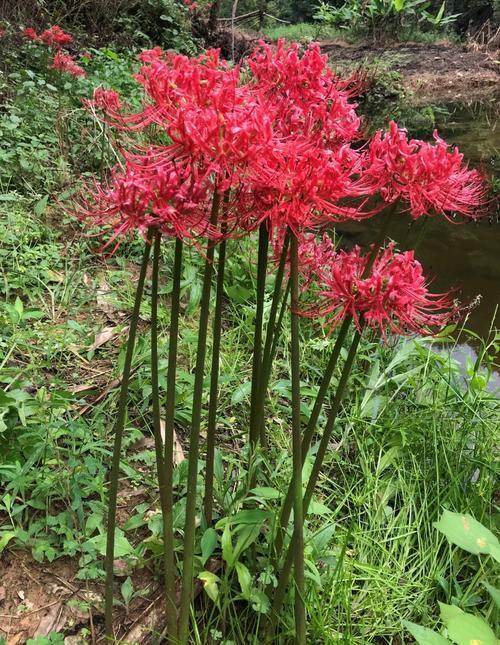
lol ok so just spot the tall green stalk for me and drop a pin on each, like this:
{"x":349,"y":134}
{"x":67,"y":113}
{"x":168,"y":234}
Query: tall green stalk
{"x":272,"y":331}
{"x":310,"y":430}
{"x":298,"y":517}
{"x":279,"y":593}
{"x":168,"y":455}
{"x":118,"y":432}
{"x":257,"y":338}
{"x":214,"y":384}
{"x":194,"y":437}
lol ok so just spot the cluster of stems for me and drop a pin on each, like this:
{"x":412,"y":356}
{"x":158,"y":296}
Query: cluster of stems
{"x":288,"y":546}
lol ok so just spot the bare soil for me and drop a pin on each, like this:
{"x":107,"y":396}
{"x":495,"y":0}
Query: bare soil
{"x":437,"y":73}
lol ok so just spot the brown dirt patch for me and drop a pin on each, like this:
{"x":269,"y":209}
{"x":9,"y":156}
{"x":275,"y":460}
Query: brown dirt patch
{"x":437,"y":72}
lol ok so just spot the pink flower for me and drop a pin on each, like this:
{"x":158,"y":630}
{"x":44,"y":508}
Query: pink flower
{"x":428,"y":177}
{"x":30,"y":33}
{"x":66,"y":63}
{"x":393,"y":298}
{"x":55,"y":37}
{"x":151,"y":55}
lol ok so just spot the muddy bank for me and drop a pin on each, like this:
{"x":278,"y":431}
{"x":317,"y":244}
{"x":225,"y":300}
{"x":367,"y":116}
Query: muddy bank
{"x":437,"y":73}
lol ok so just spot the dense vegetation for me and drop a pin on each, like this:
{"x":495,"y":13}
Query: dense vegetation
{"x":417,"y":434}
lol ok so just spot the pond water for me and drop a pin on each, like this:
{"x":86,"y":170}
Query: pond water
{"x":463,"y":256}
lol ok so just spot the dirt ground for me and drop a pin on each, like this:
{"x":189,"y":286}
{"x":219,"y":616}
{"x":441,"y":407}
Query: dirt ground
{"x":436,"y":73}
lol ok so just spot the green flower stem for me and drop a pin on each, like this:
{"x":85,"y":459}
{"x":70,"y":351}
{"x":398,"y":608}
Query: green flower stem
{"x":257,"y":338}
{"x":118,"y":433}
{"x":168,"y":455}
{"x":309,"y":432}
{"x":277,"y":332}
{"x":323,"y":389}
{"x":279,"y":593}
{"x":298,"y":517}
{"x":194,"y":439}
{"x":214,"y":384}
{"x":271,"y":332}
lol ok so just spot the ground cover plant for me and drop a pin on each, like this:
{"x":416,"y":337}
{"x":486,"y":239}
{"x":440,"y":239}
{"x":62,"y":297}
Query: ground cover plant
{"x":405,"y":442}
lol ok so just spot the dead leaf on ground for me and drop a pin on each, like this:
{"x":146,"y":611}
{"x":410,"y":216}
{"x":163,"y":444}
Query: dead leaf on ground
{"x":107,"y":334}
{"x":102,"y":298}
{"x":2,"y":593}
{"x":48,"y":622}
{"x":84,"y":387}
{"x":178,"y":455}
{"x":16,"y":639}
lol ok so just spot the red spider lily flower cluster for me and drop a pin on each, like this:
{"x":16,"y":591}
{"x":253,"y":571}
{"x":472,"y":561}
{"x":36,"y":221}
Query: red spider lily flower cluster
{"x":57,"y":38}
{"x":66,"y":63}
{"x":52,"y":37}
{"x":393,"y":298}
{"x":279,"y":143}
{"x":430,"y":178}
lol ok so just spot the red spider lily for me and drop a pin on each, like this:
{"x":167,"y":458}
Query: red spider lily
{"x":55,"y":37}
{"x":298,"y":185}
{"x":30,"y":33}
{"x":150,"y":55}
{"x":430,"y":178}
{"x":394,"y":297}
{"x":105,"y":99}
{"x":303,"y":92}
{"x":66,"y":63}
{"x":170,"y":197}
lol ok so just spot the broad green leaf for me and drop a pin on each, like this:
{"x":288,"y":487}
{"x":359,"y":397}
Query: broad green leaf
{"x":208,"y":544}
{"x":468,"y":629}
{"x":260,"y":602}
{"x":241,"y":393}
{"x":399,"y":5}
{"x":266,"y":492}
{"x":246,"y":538}
{"x":245,"y":579}
{"x":246,"y":516}
{"x":41,"y":205}
{"x":122,"y":545}
{"x":227,"y":546}
{"x":468,"y":534}
{"x":494,"y":593}
{"x":5,"y":538}
{"x":127,"y":590}
{"x":448,"y":612}
{"x":424,"y":635}
{"x":210,"y":581}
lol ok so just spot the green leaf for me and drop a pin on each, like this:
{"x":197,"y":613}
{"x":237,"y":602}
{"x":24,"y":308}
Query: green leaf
{"x":227,"y":546}
{"x":122,"y":545}
{"x":210,"y":581}
{"x":399,"y":5}
{"x":266,"y":492}
{"x":448,"y":612}
{"x":424,"y":635}
{"x":41,"y":205}
{"x":260,"y":602}
{"x":5,"y":538}
{"x":241,"y":393}
{"x":127,"y":590}
{"x":468,"y":534}
{"x":246,"y":538}
{"x":467,"y":629}
{"x":208,"y":544}
{"x":246,"y":516}
{"x":494,"y":593}
{"x":245,"y":580}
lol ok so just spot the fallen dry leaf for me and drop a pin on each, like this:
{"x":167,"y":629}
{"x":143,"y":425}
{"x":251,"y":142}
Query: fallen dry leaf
{"x":84,"y":387}
{"x":20,"y":593}
{"x":49,"y":621}
{"x":2,"y":593}
{"x":16,"y":639}
{"x":178,"y":455}
{"x":107,"y":334}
